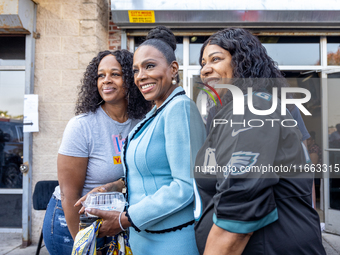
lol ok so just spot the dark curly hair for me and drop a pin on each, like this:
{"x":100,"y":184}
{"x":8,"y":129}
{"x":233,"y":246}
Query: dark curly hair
{"x":163,"y":40}
{"x":249,"y":60}
{"x":89,"y":98}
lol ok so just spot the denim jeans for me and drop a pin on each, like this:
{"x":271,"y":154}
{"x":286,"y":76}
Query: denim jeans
{"x":57,"y":237}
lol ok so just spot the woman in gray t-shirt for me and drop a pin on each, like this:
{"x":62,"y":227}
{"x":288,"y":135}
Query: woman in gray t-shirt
{"x":109,"y":105}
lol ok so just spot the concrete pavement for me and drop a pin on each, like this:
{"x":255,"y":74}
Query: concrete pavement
{"x":10,"y":245}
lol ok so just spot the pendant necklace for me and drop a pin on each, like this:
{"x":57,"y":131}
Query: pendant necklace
{"x":119,"y":131}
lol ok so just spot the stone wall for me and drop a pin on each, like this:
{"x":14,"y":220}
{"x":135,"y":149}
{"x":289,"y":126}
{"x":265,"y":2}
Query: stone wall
{"x":71,"y":34}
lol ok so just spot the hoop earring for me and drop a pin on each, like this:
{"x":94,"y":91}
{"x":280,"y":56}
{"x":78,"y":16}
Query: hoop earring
{"x":100,"y":102}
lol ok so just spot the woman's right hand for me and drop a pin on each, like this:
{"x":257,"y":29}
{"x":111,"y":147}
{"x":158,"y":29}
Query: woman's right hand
{"x":109,"y":187}
{"x":110,"y":225}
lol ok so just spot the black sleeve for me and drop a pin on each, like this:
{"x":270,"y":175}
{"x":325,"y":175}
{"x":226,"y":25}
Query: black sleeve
{"x":244,"y":201}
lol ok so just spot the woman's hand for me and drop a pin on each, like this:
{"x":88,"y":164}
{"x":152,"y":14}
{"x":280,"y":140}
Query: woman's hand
{"x":110,"y":226}
{"x":109,"y":187}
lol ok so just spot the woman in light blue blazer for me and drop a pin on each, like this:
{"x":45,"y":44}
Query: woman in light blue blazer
{"x":159,"y":157}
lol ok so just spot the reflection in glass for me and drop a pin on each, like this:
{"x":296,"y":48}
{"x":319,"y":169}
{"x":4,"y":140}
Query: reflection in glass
{"x":12,"y":84}
{"x":203,"y":100}
{"x":334,"y":139}
{"x":293,"y":50}
{"x":194,"y":53}
{"x":333,"y":102}
{"x":180,"y":73}
{"x":312,"y":83}
{"x":196,"y":43}
{"x":179,"y":53}
{"x":334,"y":181}
{"x":195,"y":85}
{"x":333,"y":50}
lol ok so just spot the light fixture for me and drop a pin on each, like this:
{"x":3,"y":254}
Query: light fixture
{"x":193,"y":39}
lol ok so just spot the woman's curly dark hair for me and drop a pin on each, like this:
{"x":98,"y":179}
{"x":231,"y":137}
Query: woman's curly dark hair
{"x":249,"y":60}
{"x":89,"y":98}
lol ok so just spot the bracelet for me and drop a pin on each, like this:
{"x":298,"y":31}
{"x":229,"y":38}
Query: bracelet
{"x":120,"y":224}
{"x":124,"y":188}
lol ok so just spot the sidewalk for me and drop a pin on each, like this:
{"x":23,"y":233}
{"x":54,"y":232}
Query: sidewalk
{"x":10,"y":245}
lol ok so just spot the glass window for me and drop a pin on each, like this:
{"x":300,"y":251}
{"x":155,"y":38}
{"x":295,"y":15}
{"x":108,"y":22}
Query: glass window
{"x":12,"y":48}
{"x":293,"y":50}
{"x":334,"y":138}
{"x":138,"y":41}
{"x":12,"y":89}
{"x":180,"y":73}
{"x":333,"y":108}
{"x":11,"y":216}
{"x":20,"y":133}
{"x":195,"y":83}
{"x":196,"y":43}
{"x":333,"y":50}
{"x":179,"y":48}
{"x":12,"y":85}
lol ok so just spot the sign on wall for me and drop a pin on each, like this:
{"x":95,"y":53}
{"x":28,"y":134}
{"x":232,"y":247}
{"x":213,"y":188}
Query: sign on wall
{"x":142,"y":16}
{"x":31,"y":120}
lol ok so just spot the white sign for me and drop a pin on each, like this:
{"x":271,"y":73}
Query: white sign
{"x":31,"y":123}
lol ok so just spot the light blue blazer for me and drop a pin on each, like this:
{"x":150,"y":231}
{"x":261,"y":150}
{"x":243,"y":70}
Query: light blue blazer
{"x":159,"y":162}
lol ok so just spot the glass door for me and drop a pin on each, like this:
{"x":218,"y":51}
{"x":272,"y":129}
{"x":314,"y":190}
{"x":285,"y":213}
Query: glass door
{"x":12,"y":89}
{"x":12,"y":84}
{"x":332,"y":152}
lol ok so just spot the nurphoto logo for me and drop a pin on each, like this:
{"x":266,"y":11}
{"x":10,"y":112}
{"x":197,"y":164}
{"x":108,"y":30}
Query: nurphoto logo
{"x":239,"y":100}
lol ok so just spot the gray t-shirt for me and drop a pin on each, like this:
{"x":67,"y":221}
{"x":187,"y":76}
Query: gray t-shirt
{"x":96,"y":136}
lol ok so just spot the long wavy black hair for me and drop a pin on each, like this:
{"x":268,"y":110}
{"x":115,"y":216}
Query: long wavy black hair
{"x":249,"y":60}
{"x":89,"y":98}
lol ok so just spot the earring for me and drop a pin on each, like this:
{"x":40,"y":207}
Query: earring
{"x":174,"y":82}
{"x":100,"y":102}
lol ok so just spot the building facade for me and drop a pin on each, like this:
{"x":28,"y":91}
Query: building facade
{"x":45,"y":46}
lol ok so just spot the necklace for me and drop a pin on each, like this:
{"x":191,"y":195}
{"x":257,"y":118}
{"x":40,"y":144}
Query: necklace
{"x":119,"y":131}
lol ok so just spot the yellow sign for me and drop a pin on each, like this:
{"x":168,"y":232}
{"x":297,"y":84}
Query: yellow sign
{"x":117,"y":160}
{"x":142,"y":16}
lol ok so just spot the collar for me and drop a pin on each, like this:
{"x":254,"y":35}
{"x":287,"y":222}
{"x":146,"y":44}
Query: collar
{"x":154,"y":109}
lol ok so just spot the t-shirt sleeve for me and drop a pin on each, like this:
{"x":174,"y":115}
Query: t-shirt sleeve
{"x":74,"y":142}
{"x":300,"y":123}
{"x":244,"y":201}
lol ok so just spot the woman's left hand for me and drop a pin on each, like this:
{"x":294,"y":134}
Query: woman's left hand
{"x":110,"y":226}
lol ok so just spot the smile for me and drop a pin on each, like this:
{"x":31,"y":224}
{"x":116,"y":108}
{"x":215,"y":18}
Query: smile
{"x":212,"y":82}
{"x":146,"y":86}
{"x":108,"y":90}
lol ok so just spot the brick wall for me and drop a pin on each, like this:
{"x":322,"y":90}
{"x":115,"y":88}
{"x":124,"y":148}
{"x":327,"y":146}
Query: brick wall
{"x":71,"y":34}
{"x":114,"y":36}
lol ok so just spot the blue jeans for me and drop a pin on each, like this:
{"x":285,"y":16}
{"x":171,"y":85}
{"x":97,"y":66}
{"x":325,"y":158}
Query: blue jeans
{"x":57,"y":237}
